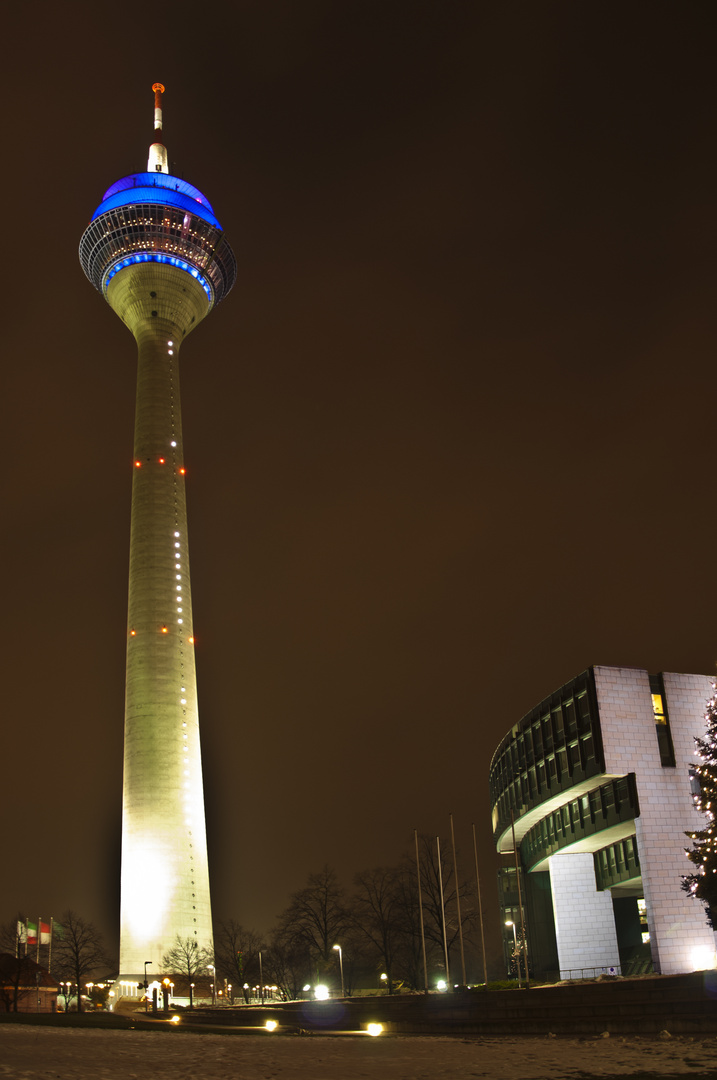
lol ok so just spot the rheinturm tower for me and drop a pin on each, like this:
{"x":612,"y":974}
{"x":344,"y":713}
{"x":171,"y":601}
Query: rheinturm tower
{"x":157,"y":253}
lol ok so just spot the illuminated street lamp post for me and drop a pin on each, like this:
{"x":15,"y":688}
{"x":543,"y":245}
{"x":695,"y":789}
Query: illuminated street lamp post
{"x":341,"y":966}
{"x":509,"y":922}
{"x":214,"y":978}
{"x":146,"y":985}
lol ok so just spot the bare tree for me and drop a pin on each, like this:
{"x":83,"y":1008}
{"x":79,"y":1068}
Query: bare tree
{"x":431,"y":893}
{"x":79,"y":950}
{"x":288,"y":964}
{"x":237,"y":954}
{"x":187,"y":957}
{"x":376,"y":914}
{"x":17,"y":971}
{"x":316,"y":918}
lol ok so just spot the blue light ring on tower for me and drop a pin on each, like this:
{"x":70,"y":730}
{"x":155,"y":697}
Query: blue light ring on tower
{"x":158,"y":180}
{"x":167,"y":260}
{"x":151,"y":195}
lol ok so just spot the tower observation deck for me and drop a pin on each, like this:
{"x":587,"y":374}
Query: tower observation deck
{"x":157,"y":253}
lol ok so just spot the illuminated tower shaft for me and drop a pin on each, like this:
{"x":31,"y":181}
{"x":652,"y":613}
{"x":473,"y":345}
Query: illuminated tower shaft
{"x":157,"y":253}
{"x":165,"y":881}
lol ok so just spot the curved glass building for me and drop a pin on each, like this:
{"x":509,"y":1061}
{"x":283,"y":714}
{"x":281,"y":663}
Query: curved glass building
{"x":157,"y":253}
{"x":595,"y":784}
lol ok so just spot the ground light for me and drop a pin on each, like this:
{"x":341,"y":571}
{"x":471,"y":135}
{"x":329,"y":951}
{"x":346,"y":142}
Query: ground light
{"x":321,"y":993}
{"x":175,"y":1020}
{"x":374,"y":1029}
{"x":703,"y":958}
{"x":270,"y":1025}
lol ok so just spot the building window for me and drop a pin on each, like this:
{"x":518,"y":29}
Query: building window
{"x":662,"y":722}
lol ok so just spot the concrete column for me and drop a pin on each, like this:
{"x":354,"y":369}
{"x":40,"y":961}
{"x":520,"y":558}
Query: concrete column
{"x":584,"y":920}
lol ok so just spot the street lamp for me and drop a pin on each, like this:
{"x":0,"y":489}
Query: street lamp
{"x":210,"y":967}
{"x":341,"y":965}
{"x":146,"y":984}
{"x":509,"y":922}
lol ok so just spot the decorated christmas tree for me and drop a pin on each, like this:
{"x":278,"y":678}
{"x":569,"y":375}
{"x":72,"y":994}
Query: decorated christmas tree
{"x":702,"y":884}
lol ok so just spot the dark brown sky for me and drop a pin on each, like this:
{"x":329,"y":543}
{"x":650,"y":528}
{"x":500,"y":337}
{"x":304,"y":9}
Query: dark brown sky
{"x":450,"y":440}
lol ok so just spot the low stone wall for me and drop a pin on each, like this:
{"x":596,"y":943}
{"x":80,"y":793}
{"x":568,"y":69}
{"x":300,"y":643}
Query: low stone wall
{"x":680,"y":1004}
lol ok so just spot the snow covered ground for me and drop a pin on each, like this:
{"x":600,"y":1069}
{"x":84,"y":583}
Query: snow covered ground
{"x":45,"y":1053}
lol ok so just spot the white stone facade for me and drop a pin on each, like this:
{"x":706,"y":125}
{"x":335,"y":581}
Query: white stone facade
{"x":680,"y":938}
{"x":584,"y":921}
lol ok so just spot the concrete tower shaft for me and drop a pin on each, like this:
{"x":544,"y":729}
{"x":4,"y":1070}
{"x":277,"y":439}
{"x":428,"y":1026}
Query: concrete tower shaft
{"x":165,"y":878}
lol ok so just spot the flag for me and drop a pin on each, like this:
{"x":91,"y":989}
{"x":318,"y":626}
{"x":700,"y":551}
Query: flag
{"x":27,"y":934}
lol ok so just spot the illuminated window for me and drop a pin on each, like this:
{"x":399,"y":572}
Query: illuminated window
{"x":662,"y":721}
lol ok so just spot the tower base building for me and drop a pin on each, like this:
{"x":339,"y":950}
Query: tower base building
{"x":596,"y":781}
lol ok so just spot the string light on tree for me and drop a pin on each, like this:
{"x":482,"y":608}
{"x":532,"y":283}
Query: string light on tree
{"x":702,"y":884}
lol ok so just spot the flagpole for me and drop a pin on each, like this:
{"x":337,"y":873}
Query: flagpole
{"x":49,"y":948}
{"x":39,"y":935}
{"x":27,"y":932}
{"x":458,"y":902}
{"x":443,"y":912}
{"x":420,"y":911}
{"x":480,"y":908}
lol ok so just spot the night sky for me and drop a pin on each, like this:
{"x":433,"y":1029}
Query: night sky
{"x":450,"y":440}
